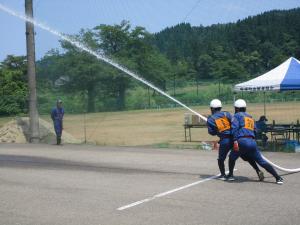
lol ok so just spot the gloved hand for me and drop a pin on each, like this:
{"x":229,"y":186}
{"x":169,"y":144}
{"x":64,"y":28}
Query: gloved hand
{"x":216,"y":145}
{"x":236,"y":146}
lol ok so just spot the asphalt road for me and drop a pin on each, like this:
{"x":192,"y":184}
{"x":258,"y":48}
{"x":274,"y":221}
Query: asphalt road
{"x":44,"y":184}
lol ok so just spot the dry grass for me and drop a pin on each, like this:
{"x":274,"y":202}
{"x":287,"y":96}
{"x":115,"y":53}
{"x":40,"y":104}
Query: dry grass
{"x":131,"y":128}
{"x":4,"y":120}
{"x":150,"y":127}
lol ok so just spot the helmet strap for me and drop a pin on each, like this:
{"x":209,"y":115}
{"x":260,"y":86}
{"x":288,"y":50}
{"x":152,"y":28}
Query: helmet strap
{"x":214,"y":110}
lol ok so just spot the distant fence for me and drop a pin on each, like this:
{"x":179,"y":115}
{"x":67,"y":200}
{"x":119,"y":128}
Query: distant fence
{"x":86,"y":127}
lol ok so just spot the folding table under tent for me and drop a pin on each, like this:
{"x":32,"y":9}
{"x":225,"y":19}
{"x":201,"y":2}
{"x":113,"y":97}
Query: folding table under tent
{"x":285,"y":77}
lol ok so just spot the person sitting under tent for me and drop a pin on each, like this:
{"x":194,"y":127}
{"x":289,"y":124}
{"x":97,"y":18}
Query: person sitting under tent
{"x":261,"y":130}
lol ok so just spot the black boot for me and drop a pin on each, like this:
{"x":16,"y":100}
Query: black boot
{"x":259,"y":173}
{"x":58,"y":140}
{"x":231,"y":166}
{"x":221,"y":167}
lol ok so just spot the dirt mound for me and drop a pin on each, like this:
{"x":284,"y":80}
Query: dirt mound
{"x":17,"y":131}
{"x":12,"y":133}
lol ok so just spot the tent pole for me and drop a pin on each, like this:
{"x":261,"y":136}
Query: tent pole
{"x":264,"y":103}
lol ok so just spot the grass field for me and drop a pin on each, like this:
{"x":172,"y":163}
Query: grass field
{"x":160,"y":128}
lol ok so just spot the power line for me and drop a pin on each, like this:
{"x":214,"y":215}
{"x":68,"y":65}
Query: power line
{"x":191,"y":10}
{"x":36,"y":4}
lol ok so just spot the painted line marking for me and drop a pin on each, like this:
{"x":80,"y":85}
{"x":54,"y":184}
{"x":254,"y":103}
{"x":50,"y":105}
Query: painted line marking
{"x":166,"y":193}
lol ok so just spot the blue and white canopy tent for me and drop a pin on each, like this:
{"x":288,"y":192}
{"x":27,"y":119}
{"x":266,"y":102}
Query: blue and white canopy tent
{"x":285,"y":77}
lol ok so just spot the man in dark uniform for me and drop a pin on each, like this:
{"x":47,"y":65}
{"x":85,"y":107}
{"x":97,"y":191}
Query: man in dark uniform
{"x":57,"y":115}
{"x":219,"y":123}
{"x":261,"y":130}
{"x":243,"y":130}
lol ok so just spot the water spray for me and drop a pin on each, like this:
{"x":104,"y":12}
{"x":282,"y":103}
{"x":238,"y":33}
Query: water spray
{"x":116,"y":65}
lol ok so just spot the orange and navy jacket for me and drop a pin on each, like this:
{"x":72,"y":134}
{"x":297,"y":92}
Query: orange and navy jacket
{"x":220,"y":124}
{"x":243,"y":125}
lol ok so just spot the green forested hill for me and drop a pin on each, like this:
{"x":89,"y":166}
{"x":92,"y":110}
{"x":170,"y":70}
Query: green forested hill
{"x":234,"y":51}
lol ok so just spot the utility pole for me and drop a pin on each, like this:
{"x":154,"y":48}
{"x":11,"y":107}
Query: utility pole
{"x":33,"y":112}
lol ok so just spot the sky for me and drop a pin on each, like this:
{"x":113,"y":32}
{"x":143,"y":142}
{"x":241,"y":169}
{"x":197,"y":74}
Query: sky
{"x":69,"y":16}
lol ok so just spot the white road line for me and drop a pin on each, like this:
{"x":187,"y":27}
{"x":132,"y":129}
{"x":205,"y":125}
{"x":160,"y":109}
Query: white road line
{"x":166,"y":193}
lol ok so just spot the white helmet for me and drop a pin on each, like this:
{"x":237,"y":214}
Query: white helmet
{"x":215,"y":103}
{"x":240,"y":103}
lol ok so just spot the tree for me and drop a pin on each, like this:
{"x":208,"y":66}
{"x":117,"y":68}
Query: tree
{"x":113,"y":41}
{"x":85,"y":73}
{"x":132,"y":48}
{"x":267,"y":51}
{"x":13,"y":85}
{"x":204,"y":67}
{"x":252,"y":62}
{"x":290,"y":46}
{"x":50,"y":68}
{"x":84,"y":70}
{"x":229,"y":71}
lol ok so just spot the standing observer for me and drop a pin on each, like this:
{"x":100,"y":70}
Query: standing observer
{"x":57,"y":115}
